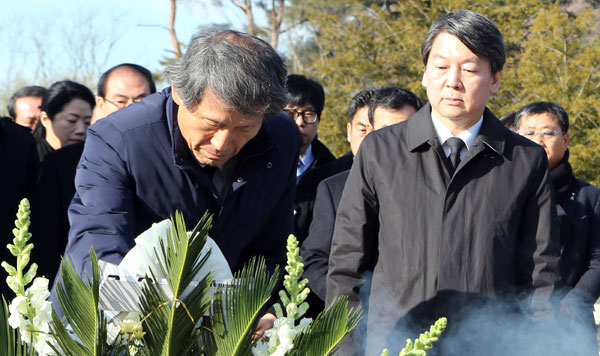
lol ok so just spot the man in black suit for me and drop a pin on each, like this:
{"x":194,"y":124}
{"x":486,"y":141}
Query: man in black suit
{"x":381,"y":108}
{"x":458,"y":213}
{"x":306,"y":99}
{"x":118,"y":87}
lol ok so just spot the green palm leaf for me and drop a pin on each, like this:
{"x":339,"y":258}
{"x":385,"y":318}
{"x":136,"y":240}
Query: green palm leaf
{"x":79,"y":303}
{"x":327,"y":330}
{"x":10,"y":339}
{"x":236,"y":310}
{"x":170,"y":322}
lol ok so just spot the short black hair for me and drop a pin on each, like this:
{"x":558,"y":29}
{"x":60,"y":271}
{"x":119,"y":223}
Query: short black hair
{"x":61,"y":93}
{"x":32,"y":90}
{"x":508,"y":120}
{"x":360,"y":100}
{"x":475,"y":31}
{"x":138,"y":68}
{"x":304,"y":91}
{"x":544,"y":107}
{"x":392,"y":98}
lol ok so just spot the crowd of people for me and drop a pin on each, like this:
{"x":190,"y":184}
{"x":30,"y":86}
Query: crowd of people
{"x":437,"y":208}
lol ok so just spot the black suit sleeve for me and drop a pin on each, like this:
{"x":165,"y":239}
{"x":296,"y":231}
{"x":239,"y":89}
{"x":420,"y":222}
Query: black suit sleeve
{"x":49,"y":234}
{"x":316,"y":247}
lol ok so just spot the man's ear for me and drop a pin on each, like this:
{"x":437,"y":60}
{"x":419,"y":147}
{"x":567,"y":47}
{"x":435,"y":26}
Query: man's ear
{"x":176,"y":97}
{"x":100,"y":103}
{"x":348,"y":131}
{"x":424,"y":81}
{"x":566,"y":139}
{"x":496,"y":82}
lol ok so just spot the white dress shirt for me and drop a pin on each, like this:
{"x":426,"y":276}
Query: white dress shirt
{"x":468,"y":136}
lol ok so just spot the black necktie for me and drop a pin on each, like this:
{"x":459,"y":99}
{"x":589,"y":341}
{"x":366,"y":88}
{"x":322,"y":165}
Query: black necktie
{"x":456,"y":145}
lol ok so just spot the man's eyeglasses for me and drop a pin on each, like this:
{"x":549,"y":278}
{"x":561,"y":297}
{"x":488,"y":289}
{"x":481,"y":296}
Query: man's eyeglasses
{"x":544,"y":134}
{"x":123,"y":102}
{"x":308,"y":116}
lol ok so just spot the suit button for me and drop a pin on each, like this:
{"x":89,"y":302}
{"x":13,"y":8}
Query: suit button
{"x":269,"y":164}
{"x":240,"y":179}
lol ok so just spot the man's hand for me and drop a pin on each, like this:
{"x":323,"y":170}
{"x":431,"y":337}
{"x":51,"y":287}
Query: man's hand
{"x":265,"y":323}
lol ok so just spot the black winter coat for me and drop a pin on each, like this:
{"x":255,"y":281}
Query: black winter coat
{"x":423,"y":235}
{"x":19,"y":161}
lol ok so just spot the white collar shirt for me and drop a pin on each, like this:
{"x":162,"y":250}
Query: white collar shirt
{"x":468,"y":136}
{"x":304,"y":161}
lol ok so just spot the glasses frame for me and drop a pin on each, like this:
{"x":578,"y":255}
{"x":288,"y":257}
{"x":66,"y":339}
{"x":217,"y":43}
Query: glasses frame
{"x":541,"y":134}
{"x":302,"y":114}
{"x":129,"y":101}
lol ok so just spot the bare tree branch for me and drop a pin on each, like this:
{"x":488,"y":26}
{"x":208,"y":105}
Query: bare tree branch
{"x":174,"y":41}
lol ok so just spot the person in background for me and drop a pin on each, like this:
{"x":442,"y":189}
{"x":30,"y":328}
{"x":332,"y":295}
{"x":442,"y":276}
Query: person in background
{"x":578,"y":207}
{"x":24,"y":106}
{"x":388,"y":106}
{"x":65,"y":116}
{"x":306,"y":99}
{"x":19,"y":161}
{"x":391,"y":105}
{"x":448,"y":211}
{"x":118,"y":87}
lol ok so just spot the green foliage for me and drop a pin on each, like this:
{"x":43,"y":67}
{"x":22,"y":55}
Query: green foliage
{"x":424,"y":342}
{"x":79,"y":302}
{"x":20,"y":248}
{"x":329,"y":328}
{"x":236,"y":310}
{"x":170,"y":320}
{"x":294,"y":299}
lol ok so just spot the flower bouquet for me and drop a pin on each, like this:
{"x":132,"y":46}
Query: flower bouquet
{"x":177,"y":321}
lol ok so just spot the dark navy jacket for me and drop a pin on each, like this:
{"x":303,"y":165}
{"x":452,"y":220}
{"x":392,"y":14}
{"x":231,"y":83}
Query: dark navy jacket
{"x":136,"y":169}
{"x":580,"y":259}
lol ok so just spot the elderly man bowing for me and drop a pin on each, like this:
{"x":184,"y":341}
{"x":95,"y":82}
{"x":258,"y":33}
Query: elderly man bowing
{"x":212,"y":141}
{"x":460,"y":213}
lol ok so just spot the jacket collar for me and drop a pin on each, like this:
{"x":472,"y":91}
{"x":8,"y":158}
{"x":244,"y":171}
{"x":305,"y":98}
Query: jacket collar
{"x":421,"y":131}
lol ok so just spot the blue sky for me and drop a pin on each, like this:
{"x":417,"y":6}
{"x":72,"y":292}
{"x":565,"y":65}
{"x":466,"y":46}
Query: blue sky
{"x":53,"y":23}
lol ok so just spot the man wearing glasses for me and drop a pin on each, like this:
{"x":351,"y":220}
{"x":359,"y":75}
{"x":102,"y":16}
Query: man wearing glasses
{"x":306,"y":99}
{"x":578,"y":208}
{"x":120,"y":86}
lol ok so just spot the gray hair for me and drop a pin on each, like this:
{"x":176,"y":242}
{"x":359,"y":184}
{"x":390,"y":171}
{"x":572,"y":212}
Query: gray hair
{"x":475,"y":31}
{"x":245,"y":71}
{"x":544,"y":107}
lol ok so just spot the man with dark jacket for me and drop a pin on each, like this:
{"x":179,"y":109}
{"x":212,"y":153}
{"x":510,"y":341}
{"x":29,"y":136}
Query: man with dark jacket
{"x":306,"y":99}
{"x":458,"y":214}
{"x":213,"y":142}
{"x":578,"y":207}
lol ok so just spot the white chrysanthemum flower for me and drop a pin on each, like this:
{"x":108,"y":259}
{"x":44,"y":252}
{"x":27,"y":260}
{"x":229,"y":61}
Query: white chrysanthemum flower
{"x":260,"y":349}
{"x":16,"y":320}
{"x":19,"y":305}
{"x":42,"y":346}
{"x":38,"y":292}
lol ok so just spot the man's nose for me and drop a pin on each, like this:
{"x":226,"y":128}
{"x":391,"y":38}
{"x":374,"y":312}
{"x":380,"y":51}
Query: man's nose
{"x":454,"y":79}
{"x":221,"y":140}
{"x":299,"y":121}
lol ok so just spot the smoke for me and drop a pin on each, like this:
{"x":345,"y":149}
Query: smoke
{"x":477,"y":325}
